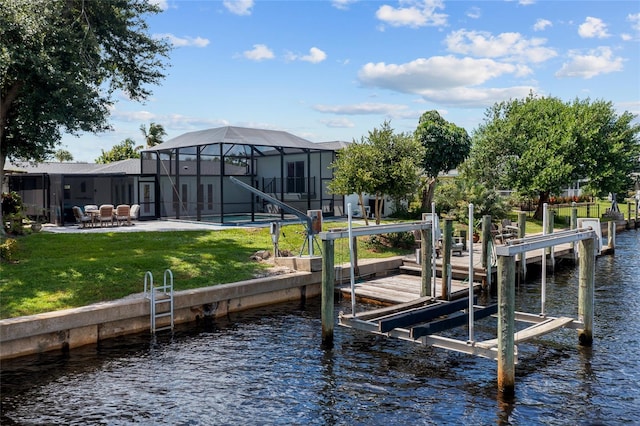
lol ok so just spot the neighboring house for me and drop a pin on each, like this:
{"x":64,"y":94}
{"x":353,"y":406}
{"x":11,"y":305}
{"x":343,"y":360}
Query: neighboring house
{"x":188,"y":177}
{"x":57,"y":187}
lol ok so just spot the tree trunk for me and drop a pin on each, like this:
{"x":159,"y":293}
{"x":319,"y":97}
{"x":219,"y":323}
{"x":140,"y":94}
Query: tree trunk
{"x":378,"y":208}
{"x":428,"y":189}
{"x":364,"y":212}
{"x":544,"y":197}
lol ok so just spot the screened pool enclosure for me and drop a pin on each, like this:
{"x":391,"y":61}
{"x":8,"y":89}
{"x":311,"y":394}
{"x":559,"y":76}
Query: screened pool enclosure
{"x":188,"y":177}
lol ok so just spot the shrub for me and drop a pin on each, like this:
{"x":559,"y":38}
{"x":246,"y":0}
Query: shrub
{"x":403,"y":240}
{"x":8,"y":250}
{"x":11,"y":203}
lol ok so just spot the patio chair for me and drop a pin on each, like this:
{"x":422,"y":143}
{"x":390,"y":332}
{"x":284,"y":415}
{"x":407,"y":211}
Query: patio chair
{"x":90,"y":207}
{"x":106,"y":214}
{"x":123,"y":214}
{"x":134,"y":212}
{"x":82,"y":219}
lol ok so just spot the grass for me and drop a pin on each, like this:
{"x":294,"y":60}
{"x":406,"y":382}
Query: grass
{"x":60,"y":271}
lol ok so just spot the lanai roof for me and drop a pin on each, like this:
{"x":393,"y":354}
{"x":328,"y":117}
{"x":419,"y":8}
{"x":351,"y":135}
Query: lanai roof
{"x":130,"y":167}
{"x":238,"y":135}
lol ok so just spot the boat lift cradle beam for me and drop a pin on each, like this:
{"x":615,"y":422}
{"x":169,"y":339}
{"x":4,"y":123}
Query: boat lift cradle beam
{"x":301,"y":215}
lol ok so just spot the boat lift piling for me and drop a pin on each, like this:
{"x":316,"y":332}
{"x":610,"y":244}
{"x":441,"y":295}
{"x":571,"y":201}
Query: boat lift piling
{"x":506,"y":297}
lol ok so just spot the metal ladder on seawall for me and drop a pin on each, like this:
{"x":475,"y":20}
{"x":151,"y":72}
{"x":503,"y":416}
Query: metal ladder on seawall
{"x":161,"y":296}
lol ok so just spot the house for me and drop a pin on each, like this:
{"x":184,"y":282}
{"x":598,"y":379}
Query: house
{"x":57,"y":187}
{"x":188,"y":177}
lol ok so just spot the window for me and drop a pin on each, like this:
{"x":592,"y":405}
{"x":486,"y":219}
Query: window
{"x":295,"y":176}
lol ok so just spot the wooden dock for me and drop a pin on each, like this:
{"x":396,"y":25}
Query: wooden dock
{"x":405,"y":286}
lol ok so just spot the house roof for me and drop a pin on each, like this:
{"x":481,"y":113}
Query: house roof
{"x":129,"y":167}
{"x":238,"y":135}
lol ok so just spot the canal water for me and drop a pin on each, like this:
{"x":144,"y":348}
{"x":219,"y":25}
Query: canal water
{"x":267,"y":367}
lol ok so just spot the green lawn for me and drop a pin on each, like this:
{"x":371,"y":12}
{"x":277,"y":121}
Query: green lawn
{"x":59,"y":271}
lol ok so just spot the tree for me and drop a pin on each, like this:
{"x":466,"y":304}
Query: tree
{"x":381,"y":164}
{"x":122,"y":151}
{"x":155,"y":134}
{"x":537,"y":146}
{"x":445,"y":147}
{"x":353,"y":172}
{"x":397,"y":165}
{"x":63,"y":155}
{"x":61,"y":63}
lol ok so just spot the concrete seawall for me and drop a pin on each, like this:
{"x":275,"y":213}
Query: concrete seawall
{"x":71,"y":328}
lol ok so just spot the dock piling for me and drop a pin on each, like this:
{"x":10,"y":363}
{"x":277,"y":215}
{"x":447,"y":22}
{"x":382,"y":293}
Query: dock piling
{"x":328,"y":278}
{"x":611,"y":235}
{"x":506,"y":326}
{"x":446,"y":259}
{"x":425,"y":262}
{"x":522,"y":258}
{"x":586,"y":280}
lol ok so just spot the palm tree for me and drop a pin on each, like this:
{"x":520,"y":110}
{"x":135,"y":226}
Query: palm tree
{"x":155,"y":134}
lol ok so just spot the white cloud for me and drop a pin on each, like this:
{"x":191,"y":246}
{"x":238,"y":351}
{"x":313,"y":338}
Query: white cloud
{"x":339,"y":123}
{"x":635,"y":21}
{"x":446,"y":79}
{"x":593,"y":28}
{"x":595,"y":62}
{"x":437,"y":72}
{"x":162,"y":4}
{"x":363,"y":109}
{"x":260,"y":52}
{"x":315,"y":56}
{"x":342,"y":4}
{"x":469,"y":97}
{"x":238,"y":7}
{"x":474,"y":12}
{"x":542,"y":24}
{"x":413,"y":13}
{"x":526,"y":2}
{"x":510,"y":46}
{"x":183,"y":41}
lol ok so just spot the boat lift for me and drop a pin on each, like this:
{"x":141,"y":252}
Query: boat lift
{"x":284,"y":206}
{"x":419,"y":321}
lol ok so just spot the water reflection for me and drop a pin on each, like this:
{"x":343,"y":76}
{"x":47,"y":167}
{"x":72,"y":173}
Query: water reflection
{"x":268,"y":367}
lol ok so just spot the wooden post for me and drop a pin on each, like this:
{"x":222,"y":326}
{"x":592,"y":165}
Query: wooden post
{"x":486,"y":237}
{"x":446,"y":259}
{"x":328,"y":278}
{"x":506,"y":326}
{"x":586,"y":280}
{"x":425,"y":261}
{"x":356,"y":269}
{"x":550,"y":249}
{"x":611,"y":235}
{"x":574,"y":225}
{"x":628,"y":224}
{"x":522,"y":257}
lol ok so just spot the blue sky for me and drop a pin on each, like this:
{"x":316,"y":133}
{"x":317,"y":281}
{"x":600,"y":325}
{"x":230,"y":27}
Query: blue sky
{"x":334,"y":70}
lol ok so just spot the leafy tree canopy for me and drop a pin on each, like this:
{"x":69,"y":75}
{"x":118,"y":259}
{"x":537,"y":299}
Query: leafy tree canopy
{"x":383,"y":163}
{"x":63,"y":155}
{"x":61,"y":61}
{"x":122,"y":151}
{"x":445,"y":147}
{"x":537,"y":146}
